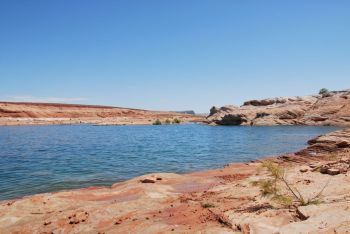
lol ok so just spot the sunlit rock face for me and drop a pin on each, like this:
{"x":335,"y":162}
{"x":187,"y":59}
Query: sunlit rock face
{"x":332,"y":108}
{"x":16,"y":113}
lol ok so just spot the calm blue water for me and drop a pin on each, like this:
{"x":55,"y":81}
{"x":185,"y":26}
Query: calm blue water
{"x":35,"y":159}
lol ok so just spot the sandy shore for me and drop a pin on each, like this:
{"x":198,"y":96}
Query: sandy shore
{"x":224,"y":200}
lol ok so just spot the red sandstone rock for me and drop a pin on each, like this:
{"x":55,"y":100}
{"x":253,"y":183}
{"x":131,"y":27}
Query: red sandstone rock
{"x":333,"y":171}
{"x":12,"y":113}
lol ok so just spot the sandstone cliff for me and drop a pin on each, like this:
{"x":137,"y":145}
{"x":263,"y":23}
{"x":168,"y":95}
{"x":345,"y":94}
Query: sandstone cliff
{"x":332,"y":108}
{"x":12,"y":113}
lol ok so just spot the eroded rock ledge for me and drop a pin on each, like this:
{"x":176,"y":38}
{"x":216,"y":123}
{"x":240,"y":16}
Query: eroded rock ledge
{"x":215,"y":201}
{"x":17,"y":113}
{"x":332,"y":108}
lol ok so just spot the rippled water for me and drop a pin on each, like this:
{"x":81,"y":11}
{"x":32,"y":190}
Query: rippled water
{"x":35,"y":159}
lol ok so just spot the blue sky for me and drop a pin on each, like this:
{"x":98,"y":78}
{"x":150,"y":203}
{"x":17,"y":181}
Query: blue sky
{"x":171,"y":55}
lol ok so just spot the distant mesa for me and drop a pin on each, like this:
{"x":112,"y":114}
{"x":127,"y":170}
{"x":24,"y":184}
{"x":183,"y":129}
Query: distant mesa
{"x":190,"y":112}
{"x":24,"y":113}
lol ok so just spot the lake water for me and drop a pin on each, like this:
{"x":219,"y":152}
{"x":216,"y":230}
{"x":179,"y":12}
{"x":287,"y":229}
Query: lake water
{"x":36,"y":159}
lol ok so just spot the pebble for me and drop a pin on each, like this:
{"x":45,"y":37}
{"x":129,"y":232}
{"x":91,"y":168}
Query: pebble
{"x":303,"y":170}
{"x":333,"y":171}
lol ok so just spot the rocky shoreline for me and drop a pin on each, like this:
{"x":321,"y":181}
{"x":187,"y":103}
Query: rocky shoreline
{"x":327,"y":109}
{"x":225,"y":200}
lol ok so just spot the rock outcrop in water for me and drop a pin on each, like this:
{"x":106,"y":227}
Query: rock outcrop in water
{"x":332,"y":108}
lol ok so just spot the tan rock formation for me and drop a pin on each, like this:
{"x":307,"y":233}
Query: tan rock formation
{"x":330,"y":109}
{"x":12,"y":113}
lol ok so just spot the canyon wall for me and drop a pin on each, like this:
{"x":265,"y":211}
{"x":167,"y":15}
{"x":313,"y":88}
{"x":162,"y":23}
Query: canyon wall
{"x":14,"y":113}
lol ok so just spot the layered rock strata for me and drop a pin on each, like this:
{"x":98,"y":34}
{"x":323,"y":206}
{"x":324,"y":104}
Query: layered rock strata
{"x":332,"y":108}
{"x":12,"y":113}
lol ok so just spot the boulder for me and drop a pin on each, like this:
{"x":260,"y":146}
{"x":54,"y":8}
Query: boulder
{"x":288,"y":115}
{"x":318,"y":118}
{"x":214,"y":110}
{"x":324,"y":169}
{"x":333,"y":171}
{"x":304,"y":169}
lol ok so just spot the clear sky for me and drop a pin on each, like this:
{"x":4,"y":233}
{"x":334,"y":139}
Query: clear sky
{"x":171,"y":55}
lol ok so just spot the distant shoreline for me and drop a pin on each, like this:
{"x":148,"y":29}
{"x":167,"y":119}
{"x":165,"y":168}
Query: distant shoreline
{"x":19,"y":113}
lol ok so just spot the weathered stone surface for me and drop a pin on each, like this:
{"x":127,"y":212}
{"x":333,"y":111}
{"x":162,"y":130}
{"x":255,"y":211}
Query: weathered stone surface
{"x":332,"y":109}
{"x":12,"y":113}
{"x":333,"y":171}
{"x":318,"y":118}
{"x":322,"y":218}
{"x":214,"y":110}
{"x":231,"y":119}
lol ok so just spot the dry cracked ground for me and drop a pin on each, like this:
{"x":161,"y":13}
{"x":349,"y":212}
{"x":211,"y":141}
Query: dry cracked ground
{"x":225,"y":200}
